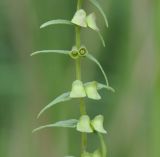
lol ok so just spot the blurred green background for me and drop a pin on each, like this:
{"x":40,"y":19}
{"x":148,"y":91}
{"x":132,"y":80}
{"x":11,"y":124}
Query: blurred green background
{"x":131,"y":59}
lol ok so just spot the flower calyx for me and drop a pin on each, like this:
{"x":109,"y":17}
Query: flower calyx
{"x":89,"y":126}
{"x":78,"y":90}
{"x":89,"y":89}
{"x":81,"y":19}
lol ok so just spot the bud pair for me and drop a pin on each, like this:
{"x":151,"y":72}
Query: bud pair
{"x":89,"y":89}
{"x":78,"y":53}
{"x":86,"y":125}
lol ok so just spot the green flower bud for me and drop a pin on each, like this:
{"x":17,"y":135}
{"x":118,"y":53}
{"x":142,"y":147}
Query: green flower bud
{"x":97,"y":124}
{"x":84,"y":124}
{"x":96,"y":154}
{"x":82,"y":51}
{"x":91,"y":90}
{"x":80,"y":18}
{"x":78,"y":90}
{"x":91,"y":21}
{"x":74,"y":53}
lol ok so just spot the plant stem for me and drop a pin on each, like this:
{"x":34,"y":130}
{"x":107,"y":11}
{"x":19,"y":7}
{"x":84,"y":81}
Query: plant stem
{"x":78,"y":77}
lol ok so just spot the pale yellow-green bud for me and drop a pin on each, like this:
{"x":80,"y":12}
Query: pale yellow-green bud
{"x":78,"y":90}
{"x":82,"y":51}
{"x":91,"y":21}
{"x":84,"y":124}
{"x":74,"y":53}
{"x":80,"y":18}
{"x":91,"y":90}
{"x":97,"y":124}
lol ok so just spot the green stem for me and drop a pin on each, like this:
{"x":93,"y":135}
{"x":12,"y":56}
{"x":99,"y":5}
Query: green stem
{"x":78,"y":77}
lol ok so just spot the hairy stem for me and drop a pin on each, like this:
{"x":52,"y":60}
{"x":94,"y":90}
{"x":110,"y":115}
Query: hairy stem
{"x":78,"y":77}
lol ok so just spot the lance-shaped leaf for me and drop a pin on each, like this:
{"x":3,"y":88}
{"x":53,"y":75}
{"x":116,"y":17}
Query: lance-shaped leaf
{"x":65,"y":52}
{"x":101,"y":38}
{"x":97,"y":5}
{"x":71,"y":123}
{"x":92,"y":58}
{"x":103,"y":145}
{"x":91,"y":21}
{"x":62,"y":98}
{"x":56,"y":22}
{"x":101,"y":86}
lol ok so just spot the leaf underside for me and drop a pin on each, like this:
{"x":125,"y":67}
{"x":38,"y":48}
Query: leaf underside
{"x":101,"y":86}
{"x":62,"y":98}
{"x":97,"y":5}
{"x":101,"y":37}
{"x":92,"y":58}
{"x":71,"y":123}
{"x":66,"y":52}
{"x":56,"y":22}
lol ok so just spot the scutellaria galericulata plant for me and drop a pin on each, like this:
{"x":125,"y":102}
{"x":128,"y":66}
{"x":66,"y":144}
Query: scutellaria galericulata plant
{"x":80,"y":90}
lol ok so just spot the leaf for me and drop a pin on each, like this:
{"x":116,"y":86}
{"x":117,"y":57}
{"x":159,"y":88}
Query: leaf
{"x":71,"y":123}
{"x":62,"y":98}
{"x":103,"y":145}
{"x":51,"y":51}
{"x":92,"y":58}
{"x":97,"y":5}
{"x":56,"y":22}
{"x":101,"y":37}
{"x":101,"y":86}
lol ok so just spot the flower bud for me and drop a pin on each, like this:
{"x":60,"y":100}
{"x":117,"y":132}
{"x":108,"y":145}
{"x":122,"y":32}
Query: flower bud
{"x":78,"y":90}
{"x":82,"y":51}
{"x":84,"y":124}
{"x":74,"y":53}
{"x":97,"y":124}
{"x":91,"y":90}
{"x":80,"y":18}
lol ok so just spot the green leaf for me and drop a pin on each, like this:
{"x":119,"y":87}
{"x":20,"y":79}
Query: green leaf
{"x":92,"y":58}
{"x":102,"y":39}
{"x":71,"y":123}
{"x":101,"y":86}
{"x":103,"y":145}
{"x":97,"y":5}
{"x":62,"y":98}
{"x":56,"y":22}
{"x":66,"y":52}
